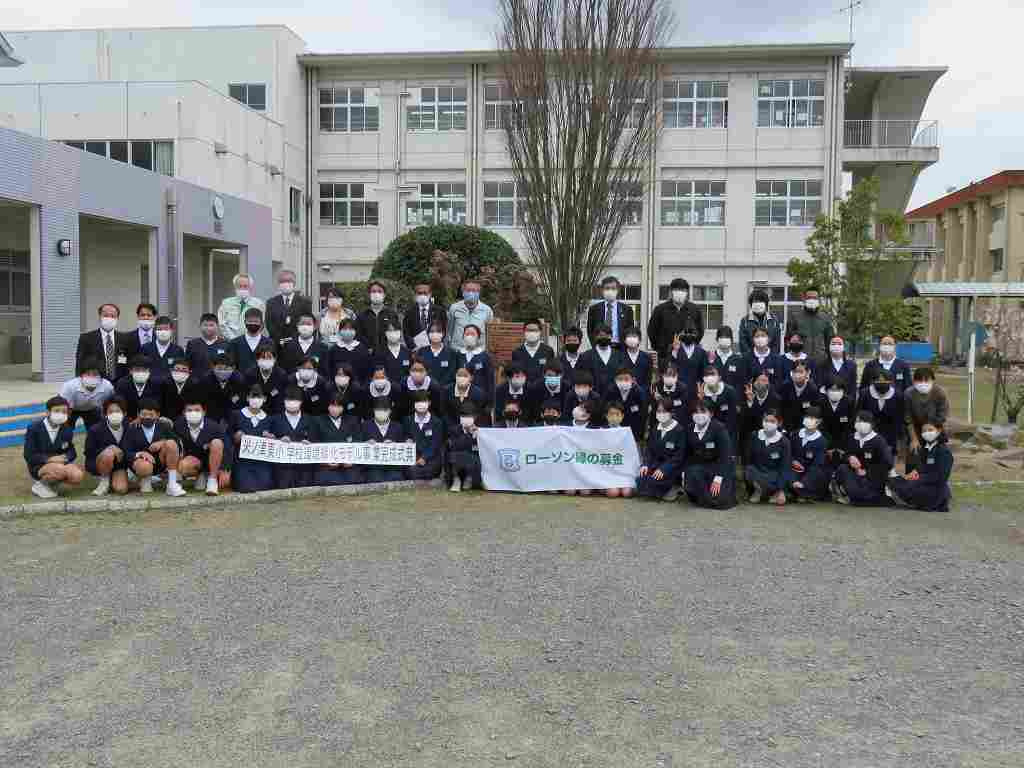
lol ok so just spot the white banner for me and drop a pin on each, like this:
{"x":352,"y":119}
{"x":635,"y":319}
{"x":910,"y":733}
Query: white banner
{"x":380,"y":454}
{"x":558,"y":458}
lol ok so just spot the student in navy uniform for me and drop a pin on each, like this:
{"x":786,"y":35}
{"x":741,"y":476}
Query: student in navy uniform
{"x":162,"y":351}
{"x":201,"y":351}
{"x":551,"y":386}
{"x":926,"y":485}
{"x":180,"y":385}
{"x":867,"y":461}
{"x":511,"y":416}
{"x":583,"y":416}
{"x":614,"y":417}
{"x":761,"y":359}
{"x":458,"y":394}
{"x":794,"y":356}
{"x":533,"y":354}
{"x":603,"y":360}
{"x":351,"y":351}
{"x":664,"y":455}
{"x":730,"y":365}
{"x":105,"y":455}
{"x":571,"y":355}
{"x":49,"y":451}
{"x":293,"y":426}
{"x":837,"y":412}
{"x":440,"y":359}
{"x":723,"y":403}
{"x":138,"y":385}
{"x":899,"y":370}
{"x":463,"y":452}
{"x":269,"y":377}
{"x":382,"y":428}
{"x":760,"y":398}
{"x":427,"y":431}
{"x":338,"y":426}
{"x":551,"y":413}
{"x":837,"y":367}
{"x":418,"y":380}
{"x":393,"y":355}
{"x":243,"y":348}
{"x":222,"y":390}
{"x":305,"y":345}
{"x":709,"y":477}
{"x":380,"y":386}
{"x":478,"y":362}
{"x":690,"y":358}
{"x":669,"y":386}
{"x":634,"y":400}
{"x":312,"y":387}
{"x":797,"y":395}
{"x":886,"y":406}
{"x":513,"y":389}
{"x":638,"y":361}
{"x":251,"y":475}
{"x":583,"y":390}
{"x":767,"y":461}
{"x":205,"y":449}
{"x":151,"y":448}
{"x":353,"y":396}
{"x":811,"y":468}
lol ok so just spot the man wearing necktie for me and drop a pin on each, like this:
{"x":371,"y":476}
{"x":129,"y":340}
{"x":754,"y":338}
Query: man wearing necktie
{"x":418,"y":318}
{"x":611,"y":312}
{"x":285,"y":309}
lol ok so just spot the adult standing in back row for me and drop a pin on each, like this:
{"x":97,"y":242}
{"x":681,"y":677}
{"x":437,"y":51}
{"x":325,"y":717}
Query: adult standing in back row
{"x":814,"y":326}
{"x":469,"y":311}
{"x":374,"y":320}
{"x":671,"y":318}
{"x":231,"y":314}
{"x":285,"y":309}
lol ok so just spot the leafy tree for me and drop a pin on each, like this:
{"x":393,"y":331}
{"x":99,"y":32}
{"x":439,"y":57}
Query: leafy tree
{"x":511,"y":290}
{"x":903,"y":319}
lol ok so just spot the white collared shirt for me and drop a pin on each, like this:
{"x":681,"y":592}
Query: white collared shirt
{"x":761,"y":435}
{"x":808,"y":437}
{"x":293,"y":418}
{"x":863,"y":439}
{"x":253,"y":341}
{"x":667,"y":427}
{"x":51,"y":430}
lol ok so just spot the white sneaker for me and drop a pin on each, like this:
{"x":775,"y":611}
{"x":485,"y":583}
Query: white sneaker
{"x":456,"y":485}
{"x":146,"y":485}
{"x":103,"y":488}
{"x":200,"y":481}
{"x":212,"y":489}
{"x":43,"y":490}
{"x":174,"y":489}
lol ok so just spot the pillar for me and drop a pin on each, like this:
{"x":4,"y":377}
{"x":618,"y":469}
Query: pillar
{"x":36,"y":295}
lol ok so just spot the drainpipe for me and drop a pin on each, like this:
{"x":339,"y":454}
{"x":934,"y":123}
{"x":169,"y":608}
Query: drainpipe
{"x":173,"y":257}
{"x":308,"y":261}
{"x":652,"y":208}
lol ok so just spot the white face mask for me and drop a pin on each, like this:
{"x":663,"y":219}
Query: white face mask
{"x":146,"y":325}
{"x":863,"y":427}
{"x":812,"y":304}
{"x":624,"y":386}
{"x":632,"y":342}
{"x":266,"y":364}
{"x":471,"y":341}
{"x":163,"y":336}
{"x":761,"y":342}
{"x":57,"y":418}
{"x":255,"y":403}
{"x":461,"y":382}
{"x":376,"y":298}
{"x":579,"y":414}
{"x":725,"y":344}
{"x":611,"y":294}
{"x":582,"y":394}
{"x":929,"y":435}
{"x":108,"y":323}
{"x":836,"y":350}
{"x":115,"y":419}
{"x":435,"y":337}
{"x":518,"y":382}
{"x":242,"y":293}
{"x":924,"y":387}
{"x":701,"y":419}
{"x":341,"y":381}
{"x":90,"y":382}
{"x":380,"y":385}
{"x":422,"y":300}
{"x":662,"y":417}
{"x":711,"y":382}
{"x":532,"y":337}
{"x":287,"y":288}
{"x":306,"y":374}
{"x":334,"y":303}
{"x":421,"y":406}
{"x":770,"y":427}
{"x":679,"y":296}
{"x":394,"y":337}
{"x":810,"y":424}
{"x":194,"y":418}
{"x":758,"y":307}
{"x":835,"y":395}
{"x":179,"y":377}
{"x":466,"y":421}
{"x":669,"y":381}
{"x":306,"y":331}
{"x":140,"y":377}
{"x":887,"y":349}
{"x":292,"y":406}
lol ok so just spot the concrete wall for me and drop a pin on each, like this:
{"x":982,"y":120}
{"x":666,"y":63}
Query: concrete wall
{"x":111,"y":266}
{"x":14,"y":235}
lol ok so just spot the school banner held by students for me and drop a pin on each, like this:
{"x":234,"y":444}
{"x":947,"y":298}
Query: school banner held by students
{"x":277,"y":452}
{"x":558,"y":459}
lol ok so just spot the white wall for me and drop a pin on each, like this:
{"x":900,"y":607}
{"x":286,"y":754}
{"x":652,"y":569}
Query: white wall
{"x":112,"y":259}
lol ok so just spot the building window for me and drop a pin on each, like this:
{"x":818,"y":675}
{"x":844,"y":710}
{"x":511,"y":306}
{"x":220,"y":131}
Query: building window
{"x":351,"y":110}
{"x":998,"y":213}
{"x":693,"y":203}
{"x":632,"y":199}
{"x":497,"y":107}
{"x":700,"y":104}
{"x":144,"y":282}
{"x":152,"y":155}
{"x":441,"y":108}
{"x":442,"y":203}
{"x":709,"y":298}
{"x":790,"y":103}
{"x":343,"y":205}
{"x":795,"y":203}
{"x":295,"y":209}
{"x":15,"y":281}
{"x":997,"y":260}
{"x":504,"y":204}
{"x":253,"y":95}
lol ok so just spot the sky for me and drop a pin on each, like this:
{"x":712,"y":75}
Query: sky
{"x":979,"y":103}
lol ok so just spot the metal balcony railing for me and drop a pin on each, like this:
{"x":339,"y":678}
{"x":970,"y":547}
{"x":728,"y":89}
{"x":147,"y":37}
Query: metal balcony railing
{"x":891,"y":133}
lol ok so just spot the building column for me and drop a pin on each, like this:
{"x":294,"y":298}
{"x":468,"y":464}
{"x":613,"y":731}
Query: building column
{"x":36,"y":291}
{"x":982,"y":228}
{"x":968,"y":220}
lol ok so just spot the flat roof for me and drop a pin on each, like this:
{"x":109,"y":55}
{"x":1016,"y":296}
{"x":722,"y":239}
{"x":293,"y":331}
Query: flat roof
{"x":987,"y":186}
{"x":156,"y":28}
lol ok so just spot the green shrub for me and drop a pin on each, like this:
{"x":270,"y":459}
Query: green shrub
{"x":357,"y":299}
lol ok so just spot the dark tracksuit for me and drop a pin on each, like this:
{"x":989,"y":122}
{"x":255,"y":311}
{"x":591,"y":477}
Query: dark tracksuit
{"x":767,"y":462}
{"x":817,"y":472}
{"x":349,"y":429}
{"x":667,"y":452}
{"x":707,"y":456}
{"x":39,"y":448}
{"x":930,"y":492}
{"x":429,"y":439}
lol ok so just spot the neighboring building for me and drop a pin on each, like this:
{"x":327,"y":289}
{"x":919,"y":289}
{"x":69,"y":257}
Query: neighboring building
{"x":976,"y":235}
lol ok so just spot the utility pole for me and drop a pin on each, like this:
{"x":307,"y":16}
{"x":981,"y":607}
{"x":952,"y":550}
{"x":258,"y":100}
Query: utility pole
{"x":850,"y":9}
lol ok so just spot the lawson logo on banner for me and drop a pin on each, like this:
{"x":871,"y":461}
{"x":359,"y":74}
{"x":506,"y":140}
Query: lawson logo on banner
{"x":558,"y":458}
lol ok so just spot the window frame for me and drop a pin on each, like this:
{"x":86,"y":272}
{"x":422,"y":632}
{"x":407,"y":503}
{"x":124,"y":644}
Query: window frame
{"x":787,"y":201}
{"x":370,"y":94}
{"x":435,"y":109}
{"x":998,"y":267}
{"x":295,"y":210}
{"x":434,"y":202}
{"x":245,"y":92}
{"x":129,"y":149}
{"x":516,"y":200}
{"x":693,"y":100}
{"x":795,"y":94}
{"x":707,"y":200}
{"x":349,"y":203}
{"x":9,"y":267}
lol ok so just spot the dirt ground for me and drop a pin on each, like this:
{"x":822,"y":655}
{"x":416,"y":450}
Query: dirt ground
{"x":438,"y":631}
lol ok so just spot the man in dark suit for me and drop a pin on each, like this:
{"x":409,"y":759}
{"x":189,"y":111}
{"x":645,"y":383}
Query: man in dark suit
{"x":419,"y":317}
{"x":611,"y":312}
{"x":106,"y":344}
{"x":284,"y":309}
{"x":145,"y":315}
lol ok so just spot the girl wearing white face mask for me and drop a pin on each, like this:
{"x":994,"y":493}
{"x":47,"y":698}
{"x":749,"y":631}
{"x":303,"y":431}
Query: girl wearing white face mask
{"x":463,"y":451}
{"x":334,"y":312}
{"x":925,"y":402}
{"x":293,"y":426}
{"x":709,"y":478}
{"x":249,"y":475}
{"x":926,"y":485}
{"x":383,"y":426}
{"x":768,"y":461}
{"x":663,"y":455}
{"x":887,"y":361}
{"x":463,"y":391}
{"x":440,"y":358}
{"x":867,"y":461}
{"x":811,"y":470}
{"x":427,"y":431}
{"x":338,"y":425}
{"x":104,"y":456}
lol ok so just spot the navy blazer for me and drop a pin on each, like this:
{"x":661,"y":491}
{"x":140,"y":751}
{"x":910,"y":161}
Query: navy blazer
{"x":636,"y":403}
{"x":201,"y":355}
{"x":604,"y":373}
{"x":160,"y":366}
{"x":569,"y":370}
{"x":733,"y":371}
{"x":875,"y":457}
{"x":358,"y":357}
{"x":536,"y":397}
{"x":429,"y":438}
{"x":461,"y":441}
{"x":39,"y":448}
{"x":405,"y":406}
{"x":482,"y":368}
{"x":795,"y":405}
{"x":713,"y":450}
{"x":847,"y":374}
{"x":353,"y":397}
{"x":273,"y":387}
{"x":397,"y":367}
{"x":172,"y":398}
{"x":666,"y":452}
{"x":788,"y":364}
{"x":135,"y":441}
{"x":641,"y":368}
{"x":394,"y":432}
{"x":350,"y":430}
{"x":222,"y":399}
{"x":888,"y":413}
{"x":245,"y":358}
{"x":899,"y":371}
{"x":837,"y":420}
{"x":725,"y":409}
{"x":126,"y":388}
{"x":440,"y":366}
{"x":753,"y":411}
{"x":314,"y":398}
{"x":200,"y":447}
{"x":305,"y":429}
{"x":98,"y":439}
{"x":771,"y":366}
{"x":503,"y":396}
{"x":450,"y":405}
{"x":292,"y":355}
{"x":769,"y":457}
{"x":533,"y":365}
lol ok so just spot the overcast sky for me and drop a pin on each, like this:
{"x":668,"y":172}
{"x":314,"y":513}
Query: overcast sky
{"x":979,"y":103}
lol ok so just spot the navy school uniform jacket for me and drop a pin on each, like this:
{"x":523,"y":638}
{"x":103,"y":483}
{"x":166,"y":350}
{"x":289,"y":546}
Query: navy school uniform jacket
{"x":358,"y":357}
{"x":888,"y":413}
{"x":537,"y":395}
{"x":450,"y":405}
{"x":305,"y":428}
{"x":201,"y":355}
{"x":504,"y":395}
{"x":440,"y":365}
{"x":732,"y":370}
{"x":533,"y":364}
{"x":98,"y":439}
{"x":482,"y":367}
{"x":569,"y":368}
{"x":812,"y":453}
{"x":794,"y":404}
{"x":571,"y":401}
{"x":934,"y":465}
{"x":200,"y":447}
{"x":604,"y":373}
{"x":292,"y":355}
{"x":680,"y":404}
{"x":39,"y":448}
{"x":899,"y":370}
{"x":667,"y":451}
{"x":397,"y":367}
{"x":354,"y":399}
{"x":640,"y":365}
{"x":713,"y":450}
{"x":245,"y":358}
{"x":847,"y":373}
{"x":405,"y":407}
{"x":637,"y":404}
{"x":393,"y":433}
{"x":173,"y":397}
{"x":429,"y":437}
{"x":393,"y":395}
{"x":789,"y":363}
{"x":875,"y":456}
{"x":273,"y":387}
{"x":135,"y":440}
{"x":314,"y":396}
{"x":767,"y":456}
{"x":753,"y":412}
{"x":691,"y":367}
{"x":127,"y":389}
{"x":837,"y":420}
{"x":348,"y":430}
{"x":725,"y":409}
{"x":770,"y":365}
{"x":160,"y":365}
{"x":460,"y":441}
{"x":222,"y":399}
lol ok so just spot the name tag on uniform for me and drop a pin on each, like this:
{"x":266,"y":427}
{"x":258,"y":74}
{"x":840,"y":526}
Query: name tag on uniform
{"x":64,"y":447}
{"x":677,"y":403}
{"x":844,"y":419}
{"x":670,"y":446}
{"x":478,"y":366}
{"x":809,"y":454}
{"x":314,"y":398}
{"x":205,"y":446}
{"x":774,"y":456}
{"x":332,"y":339}
{"x":350,"y":406}
{"x":273,"y":393}
{"x":899,"y":377}
{"x":287,"y":319}
{"x":405,"y":363}
{"x":444,"y":363}
{"x":724,"y":407}
{"x":867,"y":454}
{"x":635,"y":409}
{"x":771,"y":371}
{"x":122,"y":359}
{"x":234,"y":398}
{"x":732,"y":369}
{"x":542,"y":361}
{"x":476,"y":448}
{"x":428,"y":432}
{"x":806,"y":404}
{"x":709,"y":445}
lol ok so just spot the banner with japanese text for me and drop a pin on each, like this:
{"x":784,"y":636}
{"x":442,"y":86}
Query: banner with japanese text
{"x":558,"y":459}
{"x":278,"y":452}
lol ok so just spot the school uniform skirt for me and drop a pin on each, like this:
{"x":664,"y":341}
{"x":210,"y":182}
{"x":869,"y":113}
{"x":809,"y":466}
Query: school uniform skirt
{"x":327,"y":476}
{"x":815,"y":483}
{"x":767,"y":479}
{"x":465,"y":464}
{"x":428,"y":471}
{"x":249,"y":476}
{"x":383,"y":474}
{"x":697,"y":479}
{"x":863,"y":492}
{"x":929,"y":497}
{"x":655,"y":489}
{"x":294,"y":475}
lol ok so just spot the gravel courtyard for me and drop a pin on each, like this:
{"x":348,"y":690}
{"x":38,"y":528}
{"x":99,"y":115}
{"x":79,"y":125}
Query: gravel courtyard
{"x":428,"y":629}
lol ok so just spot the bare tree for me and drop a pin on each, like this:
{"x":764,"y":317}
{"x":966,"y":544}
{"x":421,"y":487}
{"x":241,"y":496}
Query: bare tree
{"x":581,"y":76}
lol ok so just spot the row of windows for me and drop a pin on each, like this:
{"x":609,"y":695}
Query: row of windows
{"x":152,"y":155}
{"x":15,"y":281}
{"x":685,"y":104}
{"x":794,"y":202}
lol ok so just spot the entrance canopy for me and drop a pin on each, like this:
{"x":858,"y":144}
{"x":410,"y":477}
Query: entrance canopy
{"x":963,"y":290}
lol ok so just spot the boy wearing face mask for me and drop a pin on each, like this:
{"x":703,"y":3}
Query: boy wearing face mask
{"x":151,"y":449}
{"x":439,"y":358}
{"x":105,"y":455}
{"x":463,"y":451}
{"x":760,"y":398}
{"x":294,"y":425}
{"x":393,"y":356}
{"x":885,"y":404}
{"x":222,"y":390}
{"x":462,"y":391}
{"x":372,"y":322}
{"x":664,"y":455}
{"x":205,"y":449}
{"x":86,"y":394}
{"x":550,"y":386}
{"x":582,"y":391}
{"x":638,"y":361}
{"x":162,"y":351}
{"x":731,"y":366}
{"x":306,"y":344}
{"x":669,"y":319}
{"x":337,"y":426}
{"x":838,"y":412}
{"x":138,"y":385}
{"x":383,"y":428}
{"x":269,"y":377}
{"x":709,"y":477}
{"x":926,"y":485}
{"x":767,"y":461}
{"x":886,"y":360}
{"x":311,"y":385}
{"x":533,"y":354}
{"x":811,"y":470}
{"x":49,"y":451}
{"x":798,"y":395}
{"x":515,"y":389}
{"x":479,"y":362}
{"x":602,"y":360}
{"x":511,"y":416}
{"x":202,"y":350}
{"x":380,"y":386}
{"x":794,"y":356}
{"x":814,"y":326}
{"x":759,"y":317}
{"x":353,"y":396}
{"x":762,"y":360}
{"x":838,"y":367}
{"x":866,"y":463}
{"x":551,"y":413}
{"x":418,"y":381}
{"x":582,"y":417}
{"x":243,"y":347}
{"x":352,"y":352}
{"x":177,"y":388}
{"x":420,"y":317}
{"x":251,"y":475}
{"x":633,"y":399}
{"x":427,"y":431}
{"x":690,"y":358}
{"x":571,"y":355}
{"x":924,"y":403}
